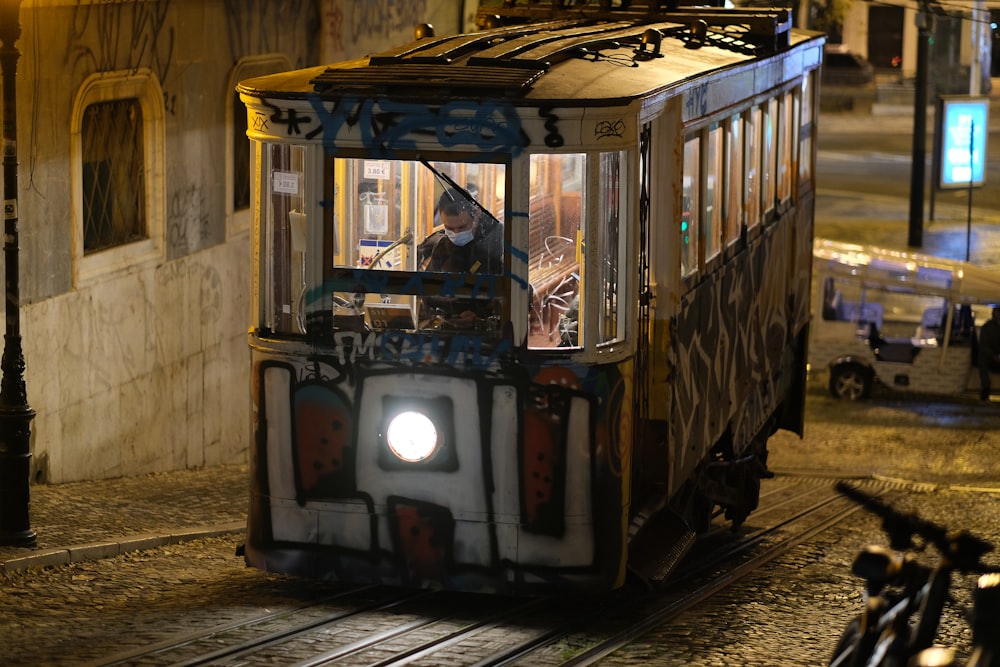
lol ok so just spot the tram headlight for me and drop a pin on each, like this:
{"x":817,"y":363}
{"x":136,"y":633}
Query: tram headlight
{"x":411,"y":436}
{"x":417,"y":432}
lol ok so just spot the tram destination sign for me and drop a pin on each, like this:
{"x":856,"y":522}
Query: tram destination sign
{"x":963,"y":127}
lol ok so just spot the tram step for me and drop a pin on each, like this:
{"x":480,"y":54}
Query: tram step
{"x":657,"y":548}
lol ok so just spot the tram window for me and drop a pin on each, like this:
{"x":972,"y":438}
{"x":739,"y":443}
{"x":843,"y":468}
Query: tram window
{"x":555,"y":249}
{"x":610,"y":245}
{"x":795,"y":122}
{"x":712,"y":232}
{"x":284,"y":233}
{"x":752,"y":156}
{"x":769,"y":154}
{"x":734,"y":179}
{"x":386,"y":214}
{"x":420,"y":217}
{"x":805,"y":137}
{"x":365,"y":248}
{"x":690,"y":206}
{"x":785,"y":148}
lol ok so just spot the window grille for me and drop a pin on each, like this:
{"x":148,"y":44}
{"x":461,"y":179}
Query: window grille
{"x":114,"y":188}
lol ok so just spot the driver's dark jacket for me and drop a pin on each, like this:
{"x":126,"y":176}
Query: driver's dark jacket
{"x":482,"y":255}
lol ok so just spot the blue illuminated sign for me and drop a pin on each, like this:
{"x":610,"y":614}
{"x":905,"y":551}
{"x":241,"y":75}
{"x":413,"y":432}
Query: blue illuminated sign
{"x":963,"y":147}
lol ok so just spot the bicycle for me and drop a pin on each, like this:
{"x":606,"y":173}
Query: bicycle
{"x":904,"y":598}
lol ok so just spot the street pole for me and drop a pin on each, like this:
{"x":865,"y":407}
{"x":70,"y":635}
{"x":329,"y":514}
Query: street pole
{"x":972,"y":173}
{"x":15,"y":414}
{"x":916,"y":235}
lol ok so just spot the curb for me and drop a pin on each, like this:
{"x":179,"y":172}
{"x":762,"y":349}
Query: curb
{"x":109,"y":549}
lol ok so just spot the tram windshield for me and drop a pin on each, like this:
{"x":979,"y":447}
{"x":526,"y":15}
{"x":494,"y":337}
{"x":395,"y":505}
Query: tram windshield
{"x":402,"y":244}
{"x":429,"y":217}
{"x":359,"y":244}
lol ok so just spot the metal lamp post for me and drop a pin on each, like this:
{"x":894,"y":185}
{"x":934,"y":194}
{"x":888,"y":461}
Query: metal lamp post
{"x":925,"y":31}
{"x":15,"y":414}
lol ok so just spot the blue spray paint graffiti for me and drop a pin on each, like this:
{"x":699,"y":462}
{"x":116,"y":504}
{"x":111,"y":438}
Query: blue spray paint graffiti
{"x":493,"y":127}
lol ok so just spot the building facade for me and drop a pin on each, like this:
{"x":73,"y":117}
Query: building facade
{"x":959,"y":57}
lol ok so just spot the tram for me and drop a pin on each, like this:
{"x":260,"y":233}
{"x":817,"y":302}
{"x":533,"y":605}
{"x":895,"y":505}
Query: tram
{"x":528,"y":301}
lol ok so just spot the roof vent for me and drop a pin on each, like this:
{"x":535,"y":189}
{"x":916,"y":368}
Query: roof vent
{"x":699,"y":32}
{"x":650,"y":38}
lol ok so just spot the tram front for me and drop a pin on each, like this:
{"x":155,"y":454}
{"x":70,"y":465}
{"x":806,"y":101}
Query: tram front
{"x":440,"y":380}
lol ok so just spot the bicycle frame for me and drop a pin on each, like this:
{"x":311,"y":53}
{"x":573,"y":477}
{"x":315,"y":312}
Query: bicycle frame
{"x":883,"y":634}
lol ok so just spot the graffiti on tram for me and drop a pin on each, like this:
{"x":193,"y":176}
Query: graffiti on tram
{"x":557,"y":435}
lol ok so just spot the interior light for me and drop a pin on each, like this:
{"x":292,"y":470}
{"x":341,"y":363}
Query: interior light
{"x":411,"y":436}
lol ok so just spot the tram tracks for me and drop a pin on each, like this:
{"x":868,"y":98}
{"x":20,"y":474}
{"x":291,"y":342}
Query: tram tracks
{"x":388,"y":627}
{"x":698,"y":579}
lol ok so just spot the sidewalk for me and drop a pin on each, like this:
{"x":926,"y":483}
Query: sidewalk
{"x":81,"y":521}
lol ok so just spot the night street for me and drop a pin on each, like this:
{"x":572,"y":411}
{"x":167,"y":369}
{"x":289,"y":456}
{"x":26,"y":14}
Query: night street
{"x":443,"y":333}
{"x":943,"y":453}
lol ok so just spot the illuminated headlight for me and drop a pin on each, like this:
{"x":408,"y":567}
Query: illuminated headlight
{"x":411,"y":436}
{"x":417,"y":432}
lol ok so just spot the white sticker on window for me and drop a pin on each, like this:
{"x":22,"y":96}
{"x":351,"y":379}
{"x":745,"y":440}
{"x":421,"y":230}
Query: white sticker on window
{"x":285,"y":182}
{"x":377,"y":169}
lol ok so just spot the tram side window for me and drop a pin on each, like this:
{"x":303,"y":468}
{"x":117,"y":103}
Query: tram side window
{"x":712,"y":232}
{"x":734,"y":179}
{"x":769,"y":154}
{"x":752,"y":156}
{"x":690,"y":206}
{"x":805,"y":133}
{"x":285,"y":233}
{"x":786,"y":147}
{"x":611,"y":246}
{"x":555,"y":249}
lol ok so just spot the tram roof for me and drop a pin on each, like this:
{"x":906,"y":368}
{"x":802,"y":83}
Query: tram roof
{"x":589,"y":58}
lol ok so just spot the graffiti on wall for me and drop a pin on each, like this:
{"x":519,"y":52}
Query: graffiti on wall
{"x":252,"y":27}
{"x":187,"y":213}
{"x":122,"y":36}
{"x":352,"y":28}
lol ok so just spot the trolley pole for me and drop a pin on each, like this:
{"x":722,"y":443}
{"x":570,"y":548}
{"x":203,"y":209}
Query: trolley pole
{"x":15,"y":414}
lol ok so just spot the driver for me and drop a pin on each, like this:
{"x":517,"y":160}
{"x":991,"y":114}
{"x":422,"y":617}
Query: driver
{"x":468,"y":242}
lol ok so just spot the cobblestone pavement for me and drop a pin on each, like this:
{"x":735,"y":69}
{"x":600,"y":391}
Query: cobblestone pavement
{"x":81,"y":521}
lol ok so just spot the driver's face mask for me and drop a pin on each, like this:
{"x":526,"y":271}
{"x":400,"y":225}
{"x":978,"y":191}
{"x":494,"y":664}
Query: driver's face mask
{"x":459,"y":226}
{"x":460,"y":238}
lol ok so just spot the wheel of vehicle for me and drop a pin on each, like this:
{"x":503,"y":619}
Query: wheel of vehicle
{"x":749,"y":501}
{"x":850,"y":381}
